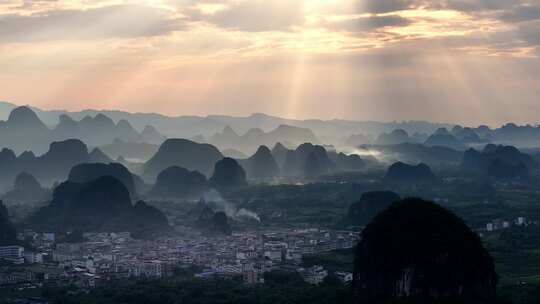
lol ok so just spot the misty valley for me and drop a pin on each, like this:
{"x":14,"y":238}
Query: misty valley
{"x":116,"y":207}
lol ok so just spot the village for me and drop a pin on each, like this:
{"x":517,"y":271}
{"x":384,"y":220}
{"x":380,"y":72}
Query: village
{"x":103,"y":257}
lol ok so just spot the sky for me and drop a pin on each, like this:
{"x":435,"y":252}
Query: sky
{"x":461,"y":61}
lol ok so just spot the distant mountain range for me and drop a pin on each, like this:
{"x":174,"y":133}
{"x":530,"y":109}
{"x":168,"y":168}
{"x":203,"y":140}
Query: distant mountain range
{"x":40,"y":127}
{"x":330,"y":131}
{"x":255,"y":137}
{"x":23,"y":130}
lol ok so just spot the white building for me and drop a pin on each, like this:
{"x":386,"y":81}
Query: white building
{"x":273,"y":255}
{"x":344,"y":277}
{"x":313,"y":275}
{"x":13,"y":254}
{"x":33,"y":257}
{"x":48,"y":237}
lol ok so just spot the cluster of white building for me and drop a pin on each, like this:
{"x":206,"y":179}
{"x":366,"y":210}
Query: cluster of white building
{"x":106,"y":256}
{"x":499,"y":224}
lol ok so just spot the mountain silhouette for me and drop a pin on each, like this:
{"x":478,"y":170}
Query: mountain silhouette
{"x":434,"y":157}
{"x":445,"y":139}
{"x":370,"y":204}
{"x":97,"y":156}
{"x":83,"y":173}
{"x":23,"y":118}
{"x":356,"y":140}
{"x":135,"y":151}
{"x":179,"y":183}
{"x":503,"y":170}
{"x":256,"y":137}
{"x":279,"y":152}
{"x":308,"y":160}
{"x":418,"y":251}
{"x":233,"y":153}
{"x":402,"y":173}
{"x":53,"y":166}
{"x":26,"y":189}
{"x":346,"y":162}
{"x":183,"y":153}
{"x":8,"y":234}
{"x":261,"y":165}
{"x":151,"y":136}
{"x":228,"y":175}
{"x":103,"y":204}
{"x":125,"y":131}
{"x":209,"y":221}
{"x":23,"y":130}
{"x":96,"y":131}
{"x":146,"y":219}
{"x":499,"y":162}
{"x":395,"y":137}
{"x":467,"y":135}
{"x":58,"y":161}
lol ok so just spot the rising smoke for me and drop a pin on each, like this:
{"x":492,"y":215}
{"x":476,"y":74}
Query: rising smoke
{"x":214,"y":197}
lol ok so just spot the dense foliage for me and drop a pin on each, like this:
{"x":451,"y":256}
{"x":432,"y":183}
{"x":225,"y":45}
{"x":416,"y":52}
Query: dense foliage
{"x":417,"y":248}
{"x":278,"y":288}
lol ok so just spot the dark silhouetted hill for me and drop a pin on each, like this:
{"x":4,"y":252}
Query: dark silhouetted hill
{"x":23,"y":130}
{"x":503,"y":170}
{"x":96,"y":131}
{"x":308,"y":160}
{"x":8,"y":234}
{"x":151,"y":136}
{"x":261,"y":165}
{"x":138,"y":152}
{"x":346,"y":162}
{"x":419,"y":251}
{"x":209,"y":221}
{"x":498,"y":161}
{"x":146,"y":220}
{"x":370,"y":204}
{"x":27,"y":190}
{"x":418,"y":153}
{"x":97,"y":156}
{"x":395,"y":137}
{"x":480,"y":160}
{"x":220,"y":223}
{"x":48,"y":168}
{"x":279,"y":152}
{"x":356,"y":140}
{"x":103,"y":204}
{"x":402,"y":173}
{"x":58,"y":161}
{"x":183,"y":153}
{"x":233,"y":153}
{"x":445,"y":139}
{"x":228,"y":175}
{"x":467,"y":135}
{"x":87,"y":172}
{"x":179,"y":183}
{"x":255,"y":137}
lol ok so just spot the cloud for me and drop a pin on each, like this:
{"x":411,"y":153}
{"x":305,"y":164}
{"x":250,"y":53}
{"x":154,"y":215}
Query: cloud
{"x":384,"y":6}
{"x":481,"y":5}
{"x":530,"y":32}
{"x":388,"y":6}
{"x":521,"y":13}
{"x":118,"y":21}
{"x":257,"y":15}
{"x":364,"y":24}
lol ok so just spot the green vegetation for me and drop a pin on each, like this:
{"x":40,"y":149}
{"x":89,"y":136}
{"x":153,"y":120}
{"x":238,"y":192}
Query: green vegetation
{"x":339,"y":260}
{"x":279,"y":288}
